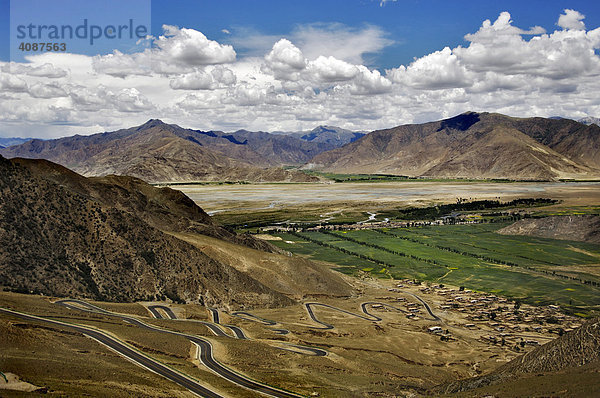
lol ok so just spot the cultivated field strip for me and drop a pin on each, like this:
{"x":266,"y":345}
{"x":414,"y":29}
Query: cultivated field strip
{"x":473,"y":256}
{"x":536,"y":250}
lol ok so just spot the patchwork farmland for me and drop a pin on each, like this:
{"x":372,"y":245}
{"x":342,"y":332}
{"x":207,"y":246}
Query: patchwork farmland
{"x":535,"y":270}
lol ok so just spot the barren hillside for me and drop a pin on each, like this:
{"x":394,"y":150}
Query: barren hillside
{"x":579,"y":228}
{"x":111,"y":238}
{"x":473,"y":145}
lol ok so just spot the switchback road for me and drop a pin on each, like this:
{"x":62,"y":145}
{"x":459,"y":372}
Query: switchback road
{"x":155,"y":313}
{"x":128,"y":352}
{"x":205,"y":348}
{"x":215,"y":328}
{"x":427,"y":307}
{"x":367,"y":315}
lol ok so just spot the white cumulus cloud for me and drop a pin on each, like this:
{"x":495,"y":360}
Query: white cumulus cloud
{"x":191,"y":47}
{"x":369,"y":82}
{"x":285,"y":61}
{"x":317,"y":74}
{"x":204,"y":80}
{"x":51,"y":90}
{"x":177,"y":51}
{"x":438,"y":70}
{"x":571,"y":19}
{"x":330,"y":69}
{"x":12,"y":83}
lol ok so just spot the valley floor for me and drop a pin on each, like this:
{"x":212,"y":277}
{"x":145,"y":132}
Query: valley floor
{"x":394,"y":338}
{"x":430,"y":305}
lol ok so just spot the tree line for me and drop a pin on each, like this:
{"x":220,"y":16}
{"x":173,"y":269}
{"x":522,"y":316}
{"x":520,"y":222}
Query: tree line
{"x":433,"y":212}
{"x":374,"y":246}
{"x":340,"y":249}
{"x":491,"y":259}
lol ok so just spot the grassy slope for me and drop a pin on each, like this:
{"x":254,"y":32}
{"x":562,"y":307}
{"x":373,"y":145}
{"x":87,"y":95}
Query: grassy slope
{"x":292,"y":276}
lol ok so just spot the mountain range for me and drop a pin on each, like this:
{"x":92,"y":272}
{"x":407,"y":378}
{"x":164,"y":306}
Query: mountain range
{"x":473,"y":145}
{"x":590,"y":120}
{"x":333,"y":137}
{"x":160,"y":152}
{"x":117,"y":238}
{"x":6,"y":142}
{"x":470,"y":145}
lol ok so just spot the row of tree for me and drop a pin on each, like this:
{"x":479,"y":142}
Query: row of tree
{"x":435,"y":262}
{"x":433,"y":212}
{"x":340,"y":249}
{"x":449,"y":249}
{"x":425,"y":260}
{"x":374,"y":246}
{"x":493,"y":260}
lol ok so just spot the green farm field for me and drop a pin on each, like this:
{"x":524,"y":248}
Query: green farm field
{"x":535,"y":270}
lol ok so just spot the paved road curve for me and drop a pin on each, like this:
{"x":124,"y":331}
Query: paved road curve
{"x":326,"y":326}
{"x":215,"y":315}
{"x":127,"y":352}
{"x":302,"y":349}
{"x":427,"y":307}
{"x":251,"y":317}
{"x":215,"y":328}
{"x":238,"y":332}
{"x":367,"y":315}
{"x":155,"y":313}
{"x":363,"y":307}
{"x":206,"y":356}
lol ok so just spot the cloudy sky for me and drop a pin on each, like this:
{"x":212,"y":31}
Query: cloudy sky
{"x":361,"y":65}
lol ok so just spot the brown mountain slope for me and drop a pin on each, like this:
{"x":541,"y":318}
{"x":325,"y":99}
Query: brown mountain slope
{"x":577,"y":141}
{"x":162,"y":208}
{"x":297,"y":277}
{"x":278,"y":149}
{"x":505,"y":152}
{"x":472,"y":145}
{"x":563,"y":356}
{"x":156,"y":152}
{"x":578,"y":228}
{"x":58,"y":239}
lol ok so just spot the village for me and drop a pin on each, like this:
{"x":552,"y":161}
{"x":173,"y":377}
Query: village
{"x":359,"y":226}
{"x":454,"y":218}
{"x":495,"y":320}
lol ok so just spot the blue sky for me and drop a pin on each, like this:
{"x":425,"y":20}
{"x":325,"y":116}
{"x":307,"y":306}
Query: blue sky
{"x":74,"y":13}
{"x":293,"y":65}
{"x":417,"y":27}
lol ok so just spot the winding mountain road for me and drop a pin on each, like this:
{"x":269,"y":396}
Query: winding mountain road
{"x":128,"y":352}
{"x":368,"y":316}
{"x":254,"y":318}
{"x":215,"y":315}
{"x":427,"y":307}
{"x":215,"y":328}
{"x":327,"y":326}
{"x":238,"y":332}
{"x":205,"y":351}
{"x":363,"y":307}
{"x":155,"y":313}
{"x":302,"y":349}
